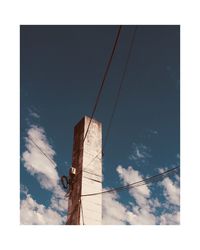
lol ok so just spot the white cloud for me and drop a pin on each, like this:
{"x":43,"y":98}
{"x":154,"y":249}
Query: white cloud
{"x":33,"y":114}
{"x":114,"y":213}
{"x":58,"y":200}
{"x":23,"y":189}
{"x":140,"y":211}
{"x":143,"y":209}
{"x":129,"y":176}
{"x":170,"y":218}
{"x":32,"y":213}
{"x":154,"y":203}
{"x":154,"y":132}
{"x":36,"y":163}
{"x":172,"y":191}
{"x":140,"y":153}
{"x":141,"y":216}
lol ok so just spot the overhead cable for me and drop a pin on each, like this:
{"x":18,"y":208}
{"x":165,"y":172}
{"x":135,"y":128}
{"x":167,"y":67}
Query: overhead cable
{"x":120,"y":86}
{"x":81,"y":206}
{"x":42,"y":151}
{"x":103,"y":80}
{"x":118,"y":93}
{"x":142,"y":182}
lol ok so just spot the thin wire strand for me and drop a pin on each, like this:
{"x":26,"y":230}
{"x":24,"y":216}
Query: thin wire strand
{"x":143,"y":182}
{"x":118,"y":94}
{"x":103,"y":80}
{"x":82,"y":211}
{"x":52,"y":162}
{"x":147,"y":181}
{"x":42,"y":151}
{"x":120,"y":86}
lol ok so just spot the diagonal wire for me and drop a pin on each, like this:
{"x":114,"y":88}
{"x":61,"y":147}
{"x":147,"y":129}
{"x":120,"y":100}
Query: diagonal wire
{"x":118,"y":93}
{"x":120,"y":87}
{"x":82,"y":211}
{"x":103,"y":80}
{"x":42,"y":151}
{"x":141,"y":182}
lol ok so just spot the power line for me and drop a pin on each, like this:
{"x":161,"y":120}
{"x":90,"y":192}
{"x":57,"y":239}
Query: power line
{"x":120,"y":86}
{"x":142,"y":182}
{"x":118,"y":94}
{"x":146,"y":181}
{"x":103,"y":80}
{"x":82,"y":211}
{"x":42,"y":151}
{"x":100,"y":90}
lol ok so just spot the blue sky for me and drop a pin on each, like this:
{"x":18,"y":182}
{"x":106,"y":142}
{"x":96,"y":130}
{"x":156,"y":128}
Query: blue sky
{"x":61,"y":69}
